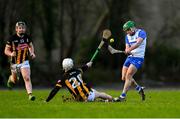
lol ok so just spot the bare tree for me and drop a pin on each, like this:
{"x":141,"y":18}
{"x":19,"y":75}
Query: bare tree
{"x":3,"y":59}
{"x":76,"y":12}
{"x":10,"y":12}
{"x":45,"y":18}
{"x":60,"y":28}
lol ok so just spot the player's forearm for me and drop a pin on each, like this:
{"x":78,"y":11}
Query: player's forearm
{"x":133,"y":47}
{"x":7,"y":52}
{"x":52,"y":93}
{"x":31,"y":48}
{"x":137,"y":44}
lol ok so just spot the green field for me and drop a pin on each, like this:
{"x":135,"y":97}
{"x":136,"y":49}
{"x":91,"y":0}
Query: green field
{"x":159,"y":103}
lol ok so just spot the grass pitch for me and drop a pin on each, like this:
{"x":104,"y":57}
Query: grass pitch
{"x":159,"y":104}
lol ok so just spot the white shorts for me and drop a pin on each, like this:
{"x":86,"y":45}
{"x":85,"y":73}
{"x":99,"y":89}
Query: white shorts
{"x":15,"y":67}
{"x":91,"y":96}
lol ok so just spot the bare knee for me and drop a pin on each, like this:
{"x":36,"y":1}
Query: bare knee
{"x":123,"y":78}
{"x":128,"y":76}
{"x":26,"y":78}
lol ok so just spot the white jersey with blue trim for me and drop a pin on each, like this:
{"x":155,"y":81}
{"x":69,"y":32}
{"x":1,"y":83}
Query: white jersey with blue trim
{"x":130,"y":40}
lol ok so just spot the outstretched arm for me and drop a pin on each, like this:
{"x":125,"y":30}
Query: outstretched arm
{"x":54,"y":91}
{"x":113,"y":51}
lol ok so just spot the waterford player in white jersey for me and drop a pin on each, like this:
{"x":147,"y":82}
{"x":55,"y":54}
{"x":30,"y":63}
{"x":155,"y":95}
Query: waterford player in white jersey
{"x":135,"y":47}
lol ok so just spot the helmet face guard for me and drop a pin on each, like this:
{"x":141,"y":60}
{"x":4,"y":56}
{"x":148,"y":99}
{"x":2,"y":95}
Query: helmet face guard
{"x":128,"y":25}
{"x":20,"y":23}
{"x":67,"y":64}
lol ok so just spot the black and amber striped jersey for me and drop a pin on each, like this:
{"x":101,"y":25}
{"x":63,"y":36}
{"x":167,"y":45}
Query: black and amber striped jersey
{"x":72,"y":79}
{"x":21,"y":46}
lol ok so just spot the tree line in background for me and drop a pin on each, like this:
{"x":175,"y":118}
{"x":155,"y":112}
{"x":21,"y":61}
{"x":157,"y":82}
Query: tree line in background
{"x":74,"y":27}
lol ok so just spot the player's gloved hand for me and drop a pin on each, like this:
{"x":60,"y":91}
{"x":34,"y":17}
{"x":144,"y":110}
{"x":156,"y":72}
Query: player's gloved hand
{"x":105,"y":41}
{"x":128,"y":51}
{"x":106,"y":45}
{"x":89,"y":64}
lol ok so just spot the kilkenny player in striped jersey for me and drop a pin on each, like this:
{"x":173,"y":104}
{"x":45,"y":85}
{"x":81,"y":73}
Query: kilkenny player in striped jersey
{"x":72,"y":79}
{"x":18,"y":47}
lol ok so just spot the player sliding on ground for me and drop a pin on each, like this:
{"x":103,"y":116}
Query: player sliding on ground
{"x":135,"y":49}
{"x":72,"y":79}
